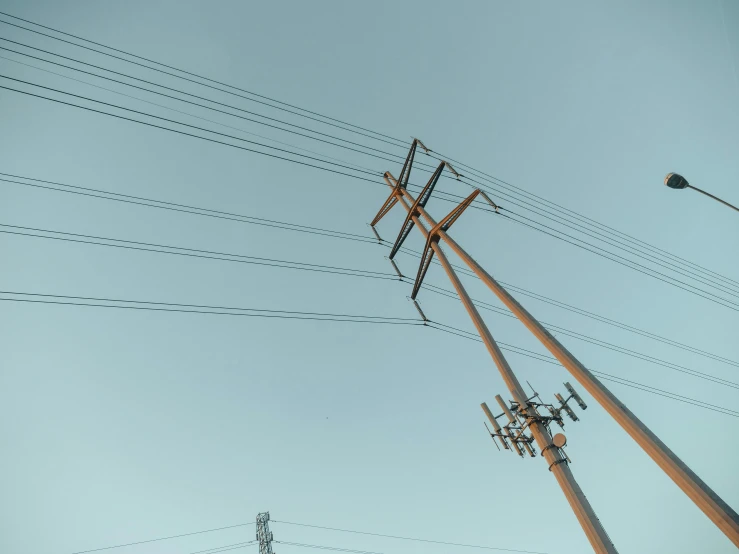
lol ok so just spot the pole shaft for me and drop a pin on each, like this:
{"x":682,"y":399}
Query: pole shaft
{"x":584,"y":512}
{"x":722,"y":515}
{"x":712,"y":196}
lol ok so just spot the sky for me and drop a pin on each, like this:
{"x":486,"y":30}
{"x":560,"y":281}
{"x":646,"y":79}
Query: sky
{"x":124,"y":425}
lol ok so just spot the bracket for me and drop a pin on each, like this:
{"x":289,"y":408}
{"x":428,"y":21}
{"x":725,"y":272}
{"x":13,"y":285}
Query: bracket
{"x":433,"y":237}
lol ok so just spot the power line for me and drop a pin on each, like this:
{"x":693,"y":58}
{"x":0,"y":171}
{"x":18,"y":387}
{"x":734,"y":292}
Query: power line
{"x":163,"y":538}
{"x":332,"y":548}
{"x":197,"y":253}
{"x":480,"y":174}
{"x":531,"y":207}
{"x":399,"y":157}
{"x":462,"y":545}
{"x":351,"y":236}
{"x":175,"y":122}
{"x":603,"y":253}
{"x":176,"y":110}
{"x":195,"y":75}
{"x":589,"y":221}
{"x":592,"y":340}
{"x":717,"y":299}
{"x":194,"y":210}
{"x":225,"y":548}
{"x":65,"y":300}
{"x":196,"y":82}
{"x":585,"y":313}
{"x":205,"y":309}
{"x":635,"y":266}
{"x":606,"y":376}
{"x":731,"y":289}
{"x":288,"y":264}
{"x":449,"y":197}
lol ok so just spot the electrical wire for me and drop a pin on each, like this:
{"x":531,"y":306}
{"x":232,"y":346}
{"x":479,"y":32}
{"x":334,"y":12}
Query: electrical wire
{"x":198,"y":253}
{"x":606,"y":376}
{"x":194,"y":210}
{"x":205,"y":309}
{"x":479,"y":173}
{"x":592,"y":340}
{"x":414,"y":539}
{"x":163,"y":538}
{"x":723,"y":288}
{"x":645,"y":270}
{"x":175,"y":122}
{"x":589,"y":221}
{"x":449,"y":197}
{"x":332,"y":548}
{"x":193,"y":81}
{"x":351,"y":272}
{"x":225,"y":548}
{"x":582,"y":312}
{"x":159,"y":93}
{"x":178,"y":111}
{"x":729,"y":288}
{"x":195,"y":75}
{"x":404,"y":250}
{"x":66,"y":300}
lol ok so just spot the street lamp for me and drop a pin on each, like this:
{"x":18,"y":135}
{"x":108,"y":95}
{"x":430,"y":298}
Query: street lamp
{"x":676,"y":181}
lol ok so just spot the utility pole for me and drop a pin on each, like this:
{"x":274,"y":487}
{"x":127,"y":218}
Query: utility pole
{"x":264,"y":535}
{"x":722,"y":515}
{"x":557,"y":463}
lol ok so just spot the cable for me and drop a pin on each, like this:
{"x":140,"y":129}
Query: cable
{"x":193,"y":210}
{"x":405,"y":251}
{"x":589,"y":221}
{"x":247,"y":312}
{"x":195,"y":75}
{"x":163,"y":538}
{"x":591,"y":340}
{"x":689,"y":274}
{"x":312,"y":316}
{"x":462,"y":545}
{"x":176,"y":110}
{"x":213,"y":255}
{"x":669,"y":280}
{"x":398,"y":156}
{"x":606,"y":376}
{"x":731,"y":289}
{"x":175,"y":122}
{"x":270,"y":105}
{"x":449,"y":197}
{"x":196,"y":82}
{"x":582,"y":312}
{"x":332,"y":548}
{"x":225,"y":548}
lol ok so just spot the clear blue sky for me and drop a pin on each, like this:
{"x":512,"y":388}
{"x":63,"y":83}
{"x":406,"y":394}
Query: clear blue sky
{"x":120,"y":426}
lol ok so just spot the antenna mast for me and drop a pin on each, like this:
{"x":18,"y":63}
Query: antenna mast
{"x":264,"y":535}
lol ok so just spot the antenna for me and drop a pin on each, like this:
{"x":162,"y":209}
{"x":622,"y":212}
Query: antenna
{"x":565,"y":407}
{"x":576,"y":396}
{"x":505,"y":409}
{"x":498,"y":431}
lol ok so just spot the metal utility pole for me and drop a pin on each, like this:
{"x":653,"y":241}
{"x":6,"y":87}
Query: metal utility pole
{"x":557,"y":463}
{"x":722,"y":515}
{"x":264,"y":535}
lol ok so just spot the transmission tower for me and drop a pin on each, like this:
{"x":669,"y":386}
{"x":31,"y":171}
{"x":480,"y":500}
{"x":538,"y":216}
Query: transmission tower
{"x":264,"y":535}
{"x":722,"y":515}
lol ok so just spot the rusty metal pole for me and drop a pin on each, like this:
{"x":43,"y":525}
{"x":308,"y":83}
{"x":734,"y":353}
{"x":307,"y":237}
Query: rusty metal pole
{"x":718,"y":511}
{"x":585,"y":514}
